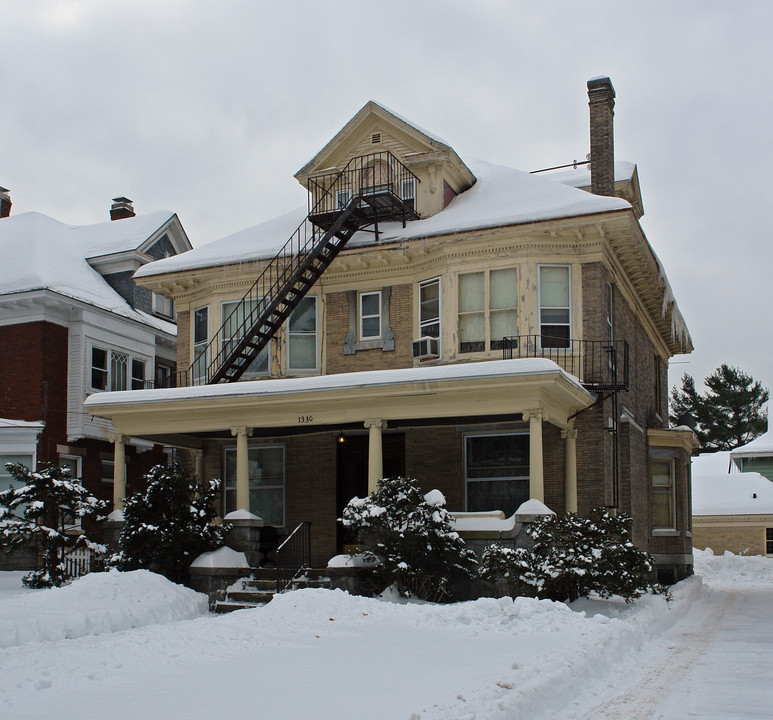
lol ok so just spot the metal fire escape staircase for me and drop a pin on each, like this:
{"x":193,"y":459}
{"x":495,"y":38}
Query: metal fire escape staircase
{"x":370,"y":189}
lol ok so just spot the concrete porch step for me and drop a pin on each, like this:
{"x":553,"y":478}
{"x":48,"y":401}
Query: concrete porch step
{"x":262,"y":587}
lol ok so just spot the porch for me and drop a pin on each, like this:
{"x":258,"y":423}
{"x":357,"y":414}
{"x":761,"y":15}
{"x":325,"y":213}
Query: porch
{"x":335,"y":436}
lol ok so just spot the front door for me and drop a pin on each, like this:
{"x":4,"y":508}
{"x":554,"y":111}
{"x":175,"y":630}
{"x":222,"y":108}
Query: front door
{"x":353,"y":471}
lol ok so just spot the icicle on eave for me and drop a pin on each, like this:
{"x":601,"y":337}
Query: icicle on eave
{"x":679,"y":331}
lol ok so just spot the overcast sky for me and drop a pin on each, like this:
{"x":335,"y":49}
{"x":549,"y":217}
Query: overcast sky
{"x":209,"y":108}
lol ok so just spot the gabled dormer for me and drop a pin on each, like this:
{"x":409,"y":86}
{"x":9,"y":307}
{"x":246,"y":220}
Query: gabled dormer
{"x":376,"y":144}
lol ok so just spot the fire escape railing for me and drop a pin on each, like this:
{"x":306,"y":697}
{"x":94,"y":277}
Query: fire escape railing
{"x":601,"y":366}
{"x":370,"y":188}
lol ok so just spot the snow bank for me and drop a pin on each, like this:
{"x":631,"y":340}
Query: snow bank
{"x":733,"y":569}
{"x":96,"y":604}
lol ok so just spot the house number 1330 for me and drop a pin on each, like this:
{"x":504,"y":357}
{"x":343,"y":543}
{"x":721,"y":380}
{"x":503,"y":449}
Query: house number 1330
{"x":302,"y":419}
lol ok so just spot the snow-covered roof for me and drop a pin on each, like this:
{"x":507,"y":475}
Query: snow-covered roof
{"x":21,"y":424}
{"x":321,"y":383}
{"x":747,"y":493}
{"x":763,"y":445}
{"x":579,"y":177}
{"x":501,"y":196}
{"x":41,"y":253}
{"x":716,"y":463}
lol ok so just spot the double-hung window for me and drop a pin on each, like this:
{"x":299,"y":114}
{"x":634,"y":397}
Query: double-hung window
{"x":302,"y":336}
{"x":163,"y":306}
{"x":429,"y":308}
{"x":663,"y":515}
{"x":769,"y":541}
{"x":200,"y":341}
{"x":488,"y":309}
{"x":237,"y":317}
{"x":99,"y":371}
{"x":6,"y":479}
{"x":267,"y":482}
{"x":496,"y":468}
{"x":370,"y":316}
{"x":138,"y":374}
{"x":555,"y":311}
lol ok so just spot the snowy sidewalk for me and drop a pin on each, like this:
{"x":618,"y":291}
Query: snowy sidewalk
{"x":320,"y":653}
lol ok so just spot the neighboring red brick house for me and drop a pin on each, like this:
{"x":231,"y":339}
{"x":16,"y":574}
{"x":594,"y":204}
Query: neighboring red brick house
{"x":72,"y":323}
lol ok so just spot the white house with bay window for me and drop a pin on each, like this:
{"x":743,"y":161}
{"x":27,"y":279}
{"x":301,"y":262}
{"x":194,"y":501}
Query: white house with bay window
{"x":73,"y":324}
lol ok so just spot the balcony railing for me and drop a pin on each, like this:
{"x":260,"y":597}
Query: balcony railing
{"x":600,"y":365}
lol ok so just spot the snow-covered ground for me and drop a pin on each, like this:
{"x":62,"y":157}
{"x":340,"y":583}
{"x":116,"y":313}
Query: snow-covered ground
{"x":128,"y":645}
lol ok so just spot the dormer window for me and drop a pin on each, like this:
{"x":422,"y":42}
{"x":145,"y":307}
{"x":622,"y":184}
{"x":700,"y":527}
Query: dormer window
{"x":342,"y":198}
{"x":408,"y":192}
{"x":163,"y":306}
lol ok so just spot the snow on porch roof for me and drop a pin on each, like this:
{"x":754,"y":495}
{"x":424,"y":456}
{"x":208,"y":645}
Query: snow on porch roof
{"x":320,"y":383}
{"x":737,"y":494}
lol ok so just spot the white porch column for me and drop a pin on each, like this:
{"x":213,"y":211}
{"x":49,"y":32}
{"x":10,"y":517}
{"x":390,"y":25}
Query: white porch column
{"x":242,"y":467}
{"x":199,"y":466}
{"x":536,"y":477}
{"x":119,"y":471}
{"x":375,"y":453}
{"x":570,"y":468}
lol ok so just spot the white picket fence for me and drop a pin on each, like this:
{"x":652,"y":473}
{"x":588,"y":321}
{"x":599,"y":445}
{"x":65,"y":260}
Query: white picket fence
{"x":77,"y":562}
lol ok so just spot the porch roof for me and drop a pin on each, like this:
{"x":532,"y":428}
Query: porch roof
{"x":497,"y":387}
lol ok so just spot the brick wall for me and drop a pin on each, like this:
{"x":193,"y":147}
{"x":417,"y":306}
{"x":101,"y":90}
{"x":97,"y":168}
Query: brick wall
{"x":337,"y":324}
{"x":742,"y":539}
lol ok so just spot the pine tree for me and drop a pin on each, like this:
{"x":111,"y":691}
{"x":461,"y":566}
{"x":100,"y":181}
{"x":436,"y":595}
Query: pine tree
{"x":573,"y":556}
{"x":729,"y":414}
{"x":45,"y":508}
{"x":411,"y":536}
{"x":169,"y":525}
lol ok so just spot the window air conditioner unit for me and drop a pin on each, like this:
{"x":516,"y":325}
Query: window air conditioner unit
{"x":426,"y":348}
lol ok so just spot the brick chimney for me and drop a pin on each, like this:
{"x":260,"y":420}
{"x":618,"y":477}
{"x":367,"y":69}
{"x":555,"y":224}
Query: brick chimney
{"x":5,"y":203}
{"x":121,"y":208}
{"x":601,"y":100}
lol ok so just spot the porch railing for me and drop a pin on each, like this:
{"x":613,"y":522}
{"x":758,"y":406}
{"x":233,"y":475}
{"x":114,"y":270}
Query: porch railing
{"x":600,"y":365}
{"x":293,"y":555}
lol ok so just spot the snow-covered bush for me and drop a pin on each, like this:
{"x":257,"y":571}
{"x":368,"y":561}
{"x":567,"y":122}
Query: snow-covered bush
{"x":572,"y":556}
{"x":412,"y":538}
{"x":169,"y":525}
{"x":48,"y":507}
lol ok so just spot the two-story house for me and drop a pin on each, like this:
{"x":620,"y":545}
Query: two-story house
{"x":73,"y":323}
{"x":497,"y":334}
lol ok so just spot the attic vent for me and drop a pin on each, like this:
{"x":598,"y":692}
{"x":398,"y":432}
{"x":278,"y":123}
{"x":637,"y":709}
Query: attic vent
{"x":375,"y":138}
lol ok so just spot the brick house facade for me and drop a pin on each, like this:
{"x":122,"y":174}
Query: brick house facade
{"x":390,"y":355}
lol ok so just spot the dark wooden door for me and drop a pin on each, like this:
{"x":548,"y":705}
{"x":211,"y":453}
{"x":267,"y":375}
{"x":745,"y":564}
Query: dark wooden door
{"x":353,"y":471}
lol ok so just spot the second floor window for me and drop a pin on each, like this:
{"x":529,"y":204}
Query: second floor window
{"x":429,"y":308}
{"x":488,"y":309}
{"x":555,"y":305}
{"x":302,"y":336}
{"x":370,"y":315}
{"x":110,"y":370}
{"x":138,"y":374}
{"x":237,"y":316}
{"x":200,"y":341}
